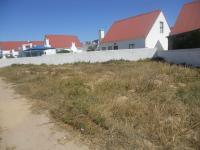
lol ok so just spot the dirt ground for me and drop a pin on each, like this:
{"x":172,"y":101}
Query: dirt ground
{"x":20,"y":129}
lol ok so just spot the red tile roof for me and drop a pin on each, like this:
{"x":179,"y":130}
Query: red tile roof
{"x":136,"y":27}
{"x":17,"y":45}
{"x":63,"y":41}
{"x":189,"y":19}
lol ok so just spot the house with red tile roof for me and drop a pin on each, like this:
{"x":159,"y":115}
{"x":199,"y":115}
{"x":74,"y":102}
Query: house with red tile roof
{"x":51,"y":44}
{"x":63,"y":42}
{"x":13,"y":48}
{"x":31,"y":44}
{"x":186,"y":31}
{"x":149,"y":30}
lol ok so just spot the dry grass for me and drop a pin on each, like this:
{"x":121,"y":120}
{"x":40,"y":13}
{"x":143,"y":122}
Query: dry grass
{"x":118,"y":104}
{"x":0,"y":136}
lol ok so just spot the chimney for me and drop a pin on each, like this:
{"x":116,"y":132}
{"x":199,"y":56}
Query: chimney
{"x":47,"y":44}
{"x":101,"y":34}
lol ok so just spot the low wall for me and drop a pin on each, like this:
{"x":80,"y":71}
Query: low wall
{"x":186,"y":56}
{"x":96,"y":56}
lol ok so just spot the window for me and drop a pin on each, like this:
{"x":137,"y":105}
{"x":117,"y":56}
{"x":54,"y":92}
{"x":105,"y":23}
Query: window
{"x":131,"y":46}
{"x":103,"y":48}
{"x":28,"y":46}
{"x":109,"y":47}
{"x":115,"y":46}
{"x":161,"y":27}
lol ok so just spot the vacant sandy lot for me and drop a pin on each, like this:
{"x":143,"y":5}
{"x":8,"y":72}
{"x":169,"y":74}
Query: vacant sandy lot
{"x":22,"y":130}
{"x":115,"y":105}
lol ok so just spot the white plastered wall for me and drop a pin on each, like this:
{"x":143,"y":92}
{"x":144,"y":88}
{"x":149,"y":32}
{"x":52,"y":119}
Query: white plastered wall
{"x":154,"y":36}
{"x":140,"y":43}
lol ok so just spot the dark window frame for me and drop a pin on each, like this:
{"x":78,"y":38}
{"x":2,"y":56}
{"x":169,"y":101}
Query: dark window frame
{"x":131,"y":46}
{"x":110,"y":48}
{"x":161,"y":27}
{"x":115,"y":47}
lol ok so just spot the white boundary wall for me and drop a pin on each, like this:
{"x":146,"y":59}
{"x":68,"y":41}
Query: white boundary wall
{"x":96,"y":56}
{"x":187,"y":56}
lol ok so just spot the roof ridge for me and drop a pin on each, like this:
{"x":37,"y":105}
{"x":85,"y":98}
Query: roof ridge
{"x":60,"y":35}
{"x":24,"y":41}
{"x":158,"y":10}
{"x":13,"y":41}
{"x":189,"y":3}
{"x":186,"y":9}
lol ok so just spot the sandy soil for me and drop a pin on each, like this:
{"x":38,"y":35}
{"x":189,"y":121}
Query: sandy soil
{"x":20,"y":129}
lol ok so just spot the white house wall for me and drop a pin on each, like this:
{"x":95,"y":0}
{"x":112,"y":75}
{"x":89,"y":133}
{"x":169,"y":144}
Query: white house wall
{"x":154,"y":35}
{"x":15,"y":53}
{"x":124,"y":44}
{"x":3,"y":53}
{"x":50,"y":51}
{"x":47,"y":43}
{"x":6,"y":53}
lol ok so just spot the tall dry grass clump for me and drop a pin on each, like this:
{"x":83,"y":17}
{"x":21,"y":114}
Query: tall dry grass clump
{"x":118,"y":104}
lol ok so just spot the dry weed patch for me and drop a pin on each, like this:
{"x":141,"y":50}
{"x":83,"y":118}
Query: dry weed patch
{"x":118,"y":104}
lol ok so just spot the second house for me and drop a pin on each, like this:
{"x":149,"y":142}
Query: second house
{"x":149,"y":30}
